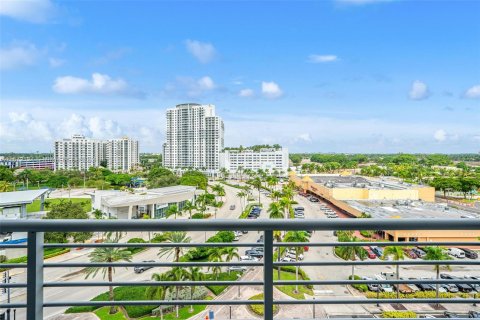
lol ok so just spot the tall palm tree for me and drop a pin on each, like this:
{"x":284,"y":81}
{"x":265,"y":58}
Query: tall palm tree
{"x":4,"y":186}
{"x":194,"y":274}
{"x":177,"y":274}
{"x":296,"y":236}
{"x":350,"y":252}
{"x":286,"y":204}
{"x":257,"y":183}
{"x":174,"y":237}
{"x":241,"y":195}
{"x":436,"y":253}
{"x":215,"y":255}
{"x":275,"y":195}
{"x":277,"y":235}
{"x":398,"y":254}
{"x":230,"y":253}
{"x":108,"y":254}
{"x":158,"y":292}
{"x":189,"y":206}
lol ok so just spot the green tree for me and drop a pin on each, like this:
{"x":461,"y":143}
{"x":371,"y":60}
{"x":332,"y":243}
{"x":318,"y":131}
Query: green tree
{"x":177,"y":274}
{"x":436,"y":254}
{"x":215,"y":255}
{"x":194,"y":178}
{"x":257,"y":183}
{"x":108,"y":255}
{"x":172,"y":210}
{"x":275,"y":211}
{"x":398,"y":254}
{"x":189,"y":206}
{"x":66,"y":209}
{"x":296,"y":236}
{"x":158,"y":292}
{"x":242,"y":195}
{"x":174,"y":237}
{"x":6,"y":174}
{"x":286,"y":204}
{"x":350,"y":252}
{"x":230,"y":253}
{"x":194,"y":274}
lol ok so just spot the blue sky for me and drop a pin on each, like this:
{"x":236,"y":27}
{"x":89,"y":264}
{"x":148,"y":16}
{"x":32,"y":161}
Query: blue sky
{"x":319,"y":76}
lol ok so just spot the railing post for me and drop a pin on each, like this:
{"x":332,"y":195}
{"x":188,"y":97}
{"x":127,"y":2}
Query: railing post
{"x":268,"y":274}
{"x":35,"y":276}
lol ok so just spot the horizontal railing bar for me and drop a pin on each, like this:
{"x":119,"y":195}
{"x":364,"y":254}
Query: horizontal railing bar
{"x":150,"y":264}
{"x":12,"y":305}
{"x":379,"y":262}
{"x":152,"y":283}
{"x":405,"y":281}
{"x":13,"y":246}
{"x":376,"y":244}
{"x":12,"y":265}
{"x":13,"y":285}
{"x":151,"y":302}
{"x":150,"y":245}
{"x":375,"y":301}
{"x":43,"y":225}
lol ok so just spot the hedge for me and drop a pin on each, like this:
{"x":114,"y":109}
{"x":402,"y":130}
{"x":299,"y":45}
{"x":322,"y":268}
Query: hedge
{"x":202,"y":253}
{"x":258,"y":309}
{"x":199,"y":215}
{"x":361,"y":287}
{"x":159,"y":237}
{"x":47,"y":254}
{"x":417,"y":295}
{"x":134,"y":250}
{"x":398,"y":314}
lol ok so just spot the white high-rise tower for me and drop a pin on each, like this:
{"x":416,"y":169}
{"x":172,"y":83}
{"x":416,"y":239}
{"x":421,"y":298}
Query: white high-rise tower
{"x":194,"y":137}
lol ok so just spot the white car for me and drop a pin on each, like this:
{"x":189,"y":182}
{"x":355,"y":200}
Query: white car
{"x":238,"y":268}
{"x":292,"y":256}
{"x":248,"y":258}
{"x":288,"y":259}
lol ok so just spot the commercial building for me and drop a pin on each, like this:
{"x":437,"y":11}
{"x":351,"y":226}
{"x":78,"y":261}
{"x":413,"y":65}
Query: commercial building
{"x":271,"y":159}
{"x":80,"y":153}
{"x":194,"y":137}
{"x":150,"y":202}
{"x":36,"y":164}
{"x":386,"y":198}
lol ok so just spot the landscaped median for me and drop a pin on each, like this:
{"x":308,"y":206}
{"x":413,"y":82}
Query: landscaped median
{"x":47,"y":254}
{"x":247,"y":210}
{"x":258,"y":309}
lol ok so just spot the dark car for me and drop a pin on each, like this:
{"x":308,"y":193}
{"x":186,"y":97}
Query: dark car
{"x":313,"y":199}
{"x":254,"y":253}
{"x":463,"y":287}
{"x":470,"y":254}
{"x":140,"y":269}
{"x":419,"y":252}
{"x":410,"y":253}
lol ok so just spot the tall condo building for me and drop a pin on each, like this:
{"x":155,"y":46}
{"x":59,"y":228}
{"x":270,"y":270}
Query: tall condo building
{"x":194,"y":137}
{"x":80,"y":153}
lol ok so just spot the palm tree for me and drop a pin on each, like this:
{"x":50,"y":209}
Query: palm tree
{"x":436,"y":253}
{"x":108,"y":254}
{"x":230,"y":253}
{"x":275,"y":195}
{"x":272,"y":181}
{"x":215,"y":255}
{"x":257,"y":183}
{"x":174,"y":237}
{"x":241,"y":195}
{"x":286,"y":205}
{"x":158,"y":292}
{"x":189,"y":206}
{"x":275,"y":211}
{"x":278,"y":237}
{"x":398,"y":254}
{"x":4,"y":186}
{"x":296,"y":236}
{"x":177,"y":274}
{"x":216,"y":205}
{"x":350,"y":252}
{"x":172,"y":209}
{"x":194,"y":274}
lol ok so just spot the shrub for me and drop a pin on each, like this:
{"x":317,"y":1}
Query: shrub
{"x":199,"y":215}
{"x":159,"y":237}
{"x":258,"y":309}
{"x":201,"y":253}
{"x":416,"y":295}
{"x":366,"y":233}
{"x":398,"y":314}
{"x":134,"y":250}
{"x":3,"y":258}
{"x":361,"y":287}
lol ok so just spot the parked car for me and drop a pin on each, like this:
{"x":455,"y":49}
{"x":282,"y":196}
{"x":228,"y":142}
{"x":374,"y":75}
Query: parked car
{"x":140,"y":269}
{"x":403,"y":288}
{"x":232,"y":207}
{"x":377,"y":250}
{"x":448,"y":314}
{"x":313,"y":199}
{"x":383,"y":287}
{"x":419,"y":252}
{"x":450,"y":288}
{"x":473,"y":314}
{"x":288,"y":259}
{"x":259,"y":249}
{"x":299,"y":208}
{"x":293,"y":256}
{"x":237,"y":268}
{"x":457,"y":253}
{"x":248,"y":258}
{"x":410,"y":253}
{"x":463,"y":287}
{"x":254,"y":253}
{"x":412,"y":286}
{"x":371,"y":286}
{"x":470,"y":254}
{"x":370,"y":254}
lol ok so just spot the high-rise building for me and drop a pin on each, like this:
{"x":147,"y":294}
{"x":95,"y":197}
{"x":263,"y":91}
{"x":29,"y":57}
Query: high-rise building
{"x":194,"y":137}
{"x":121,"y":154}
{"x":80,"y":153}
{"x":268,"y":159}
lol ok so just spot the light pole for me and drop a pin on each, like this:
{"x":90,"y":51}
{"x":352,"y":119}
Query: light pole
{"x":313,"y":307}
{"x":238,"y":278}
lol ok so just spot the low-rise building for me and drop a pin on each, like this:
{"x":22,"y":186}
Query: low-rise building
{"x":268,"y":159}
{"x":137,"y":204}
{"x":29,"y":163}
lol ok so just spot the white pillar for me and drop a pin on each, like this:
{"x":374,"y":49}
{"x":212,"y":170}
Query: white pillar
{"x":130,"y":208}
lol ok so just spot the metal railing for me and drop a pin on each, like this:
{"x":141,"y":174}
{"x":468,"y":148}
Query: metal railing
{"x":35,"y":264}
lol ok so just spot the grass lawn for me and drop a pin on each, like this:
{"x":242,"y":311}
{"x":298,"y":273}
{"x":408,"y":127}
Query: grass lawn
{"x":103,"y":314}
{"x":224,"y":276}
{"x":291,"y":288}
{"x":35,"y":205}
{"x":258,"y":308}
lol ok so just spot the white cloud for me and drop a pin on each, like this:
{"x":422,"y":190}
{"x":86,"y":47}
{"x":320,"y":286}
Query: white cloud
{"x":473,"y":92}
{"x":316,"y":58}
{"x":440,"y":135}
{"x":190,"y":87}
{"x":98,"y":84}
{"x":22,"y":127}
{"x":18,"y":55}
{"x":35,"y":11}
{"x":305,"y":137}
{"x":246,"y":93}
{"x":202,"y":51}
{"x":271,"y":90}
{"x":419,"y":90}
{"x":55,"y":62}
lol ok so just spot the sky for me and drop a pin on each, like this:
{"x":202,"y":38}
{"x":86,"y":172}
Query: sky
{"x":355,"y":76}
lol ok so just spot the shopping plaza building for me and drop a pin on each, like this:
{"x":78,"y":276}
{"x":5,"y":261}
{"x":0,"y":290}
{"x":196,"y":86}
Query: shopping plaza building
{"x":385,"y":198}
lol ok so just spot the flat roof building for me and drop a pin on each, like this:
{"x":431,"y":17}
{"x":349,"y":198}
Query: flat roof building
{"x":134,"y":205}
{"x":268,"y":159}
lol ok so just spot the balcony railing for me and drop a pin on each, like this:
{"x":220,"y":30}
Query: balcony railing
{"x":35,"y":265}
